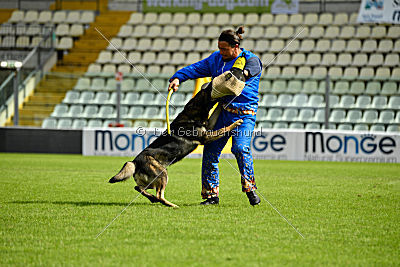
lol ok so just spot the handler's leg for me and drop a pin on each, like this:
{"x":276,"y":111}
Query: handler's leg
{"x":241,"y":140}
{"x":209,"y":170}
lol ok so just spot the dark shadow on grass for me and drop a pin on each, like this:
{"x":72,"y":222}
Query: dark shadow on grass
{"x":79,"y":203}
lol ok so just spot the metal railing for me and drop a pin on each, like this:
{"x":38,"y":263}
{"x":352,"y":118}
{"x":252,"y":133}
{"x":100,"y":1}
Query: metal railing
{"x":31,"y":65}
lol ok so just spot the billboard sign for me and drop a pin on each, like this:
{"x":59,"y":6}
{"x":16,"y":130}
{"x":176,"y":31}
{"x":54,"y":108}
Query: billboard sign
{"x":222,"y":6}
{"x":265,"y":144}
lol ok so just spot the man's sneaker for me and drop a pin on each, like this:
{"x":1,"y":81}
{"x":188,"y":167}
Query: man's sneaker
{"x":211,"y":201}
{"x":253,"y":198}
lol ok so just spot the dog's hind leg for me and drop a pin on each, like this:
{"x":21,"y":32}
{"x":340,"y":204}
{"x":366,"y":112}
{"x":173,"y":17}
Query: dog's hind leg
{"x":149,"y":196}
{"x":160,"y":188}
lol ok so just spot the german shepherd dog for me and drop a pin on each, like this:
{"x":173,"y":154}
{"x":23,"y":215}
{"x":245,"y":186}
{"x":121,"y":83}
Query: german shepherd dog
{"x":189,"y":129}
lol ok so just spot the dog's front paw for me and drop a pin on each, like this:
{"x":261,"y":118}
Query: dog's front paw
{"x":238,"y":122}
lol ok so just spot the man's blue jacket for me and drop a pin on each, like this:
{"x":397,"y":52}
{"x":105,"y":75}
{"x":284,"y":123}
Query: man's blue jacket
{"x":214,"y":66}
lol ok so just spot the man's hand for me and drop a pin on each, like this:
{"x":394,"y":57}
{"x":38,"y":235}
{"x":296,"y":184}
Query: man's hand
{"x":174,"y":84}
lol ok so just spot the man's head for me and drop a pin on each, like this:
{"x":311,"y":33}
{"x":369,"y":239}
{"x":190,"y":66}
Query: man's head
{"x":229,"y":42}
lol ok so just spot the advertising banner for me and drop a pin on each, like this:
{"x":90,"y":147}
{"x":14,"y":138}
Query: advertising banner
{"x":222,"y":6}
{"x":379,"y":11}
{"x":266,"y":144}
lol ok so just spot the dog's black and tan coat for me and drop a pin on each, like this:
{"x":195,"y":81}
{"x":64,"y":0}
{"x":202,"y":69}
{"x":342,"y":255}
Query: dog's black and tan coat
{"x":190,"y":128}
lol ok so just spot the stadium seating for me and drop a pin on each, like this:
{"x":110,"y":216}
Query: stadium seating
{"x":362,"y":61}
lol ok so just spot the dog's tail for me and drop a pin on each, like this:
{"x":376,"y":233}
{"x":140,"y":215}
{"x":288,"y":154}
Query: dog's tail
{"x":127,"y":171}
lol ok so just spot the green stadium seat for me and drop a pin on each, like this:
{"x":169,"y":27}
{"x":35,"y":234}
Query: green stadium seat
{"x":310,"y":87}
{"x":95,"y":123}
{"x":161,"y":99}
{"x":344,"y":126}
{"x":78,"y":123}
{"x":176,"y":99}
{"x":150,"y":112}
{"x":86,"y":97}
{"x":49,"y":123}
{"x":362,"y":102}
{"x":268,"y":100}
{"x":357,"y":88}
{"x":82,"y":84}
{"x":366,"y":74}
{"x":131,"y":98}
{"x":288,"y":73}
{"x":283,"y":100}
{"x":111,"y":85}
{"x":394,"y":102}
{"x":106,"y":112}
{"x":394,"y":128}
{"x":341,"y":88}
{"x":319,"y":116}
{"x":157,"y":124}
{"x":386,"y":117}
{"x":74,"y":111}
{"x":140,"y":123}
{"x":64,"y":123}
{"x":397,"y":118}
{"x":264,"y":125}
{"x":134,"y":112}
{"x":379,"y":102}
{"x":296,"y":125}
{"x":278,"y":87}
{"x":321,"y":87}
{"x":333,"y":101}
{"x":265,"y":86}
{"x":187,"y":86}
{"x":312,"y":126}
{"x":98,"y":84}
{"x":143,"y":85}
{"x":289,"y":114}
{"x":146,"y":99}
{"x":294,"y":87}
{"x":315,"y":101}
{"x":369,"y":117}
{"x":108,"y":70}
{"x":335,"y":73}
{"x":306,"y":115}
{"x":377,"y":128}
{"x":346,"y":101}
{"x":272,"y":73}
{"x":395,"y":74}
{"x":382,"y":74}
{"x":349,"y":74}
{"x":71,"y":97}
{"x":373,"y":88}
{"x":89,"y":112}
{"x":59,"y":111}
{"x":389,"y":88}
{"x":274,"y":114}
{"x":360,"y":127}
{"x":100,"y":98}
{"x":353,"y":116}
{"x":261,"y":114}
{"x":127,"y":85}
{"x":337,"y":116}
{"x":281,"y":125}
{"x":299,"y":100}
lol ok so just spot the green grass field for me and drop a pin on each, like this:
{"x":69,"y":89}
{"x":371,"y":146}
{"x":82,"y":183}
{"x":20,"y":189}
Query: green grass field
{"x":53,"y":206}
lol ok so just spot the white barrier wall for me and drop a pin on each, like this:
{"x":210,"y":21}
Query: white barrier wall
{"x":266,"y":144}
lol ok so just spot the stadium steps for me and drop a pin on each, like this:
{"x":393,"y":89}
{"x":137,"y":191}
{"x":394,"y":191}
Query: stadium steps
{"x":51,"y":90}
{"x":80,"y":5}
{"x":89,"y":45}
{"x":5,"y":14}
{"x":48,"y":93}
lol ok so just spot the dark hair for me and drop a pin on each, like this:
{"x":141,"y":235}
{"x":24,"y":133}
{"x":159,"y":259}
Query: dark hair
{"x":232,"y":37}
